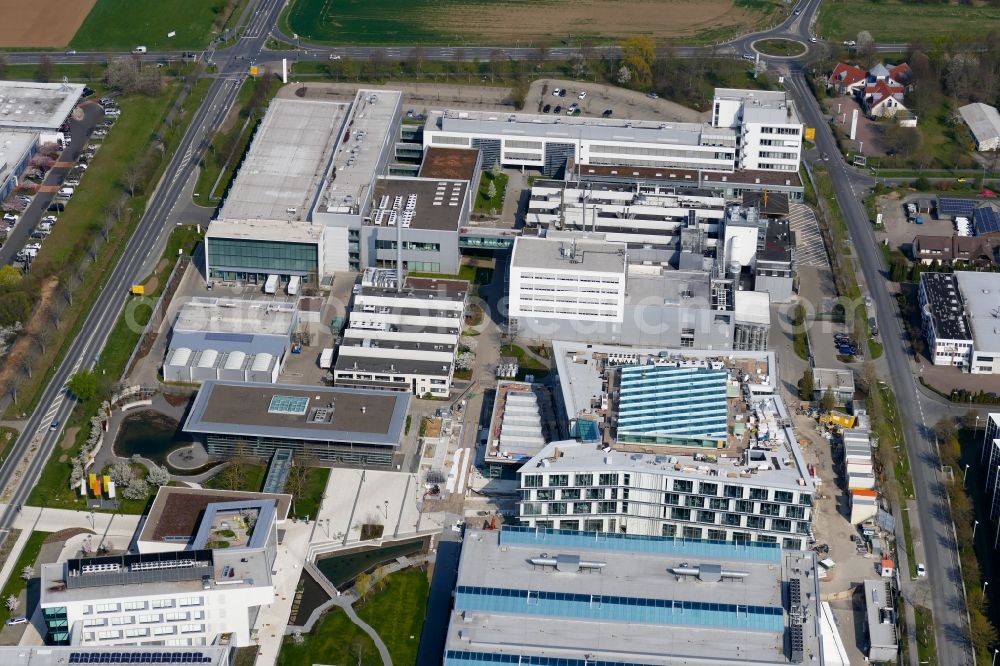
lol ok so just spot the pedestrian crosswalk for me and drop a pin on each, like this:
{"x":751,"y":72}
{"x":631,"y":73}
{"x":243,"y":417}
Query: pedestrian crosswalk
{"x":809,"y":249}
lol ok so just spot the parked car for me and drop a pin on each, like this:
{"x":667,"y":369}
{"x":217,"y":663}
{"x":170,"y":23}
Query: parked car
{"x":652,"y":95}
{"x":55,"y":424}
{"x":582,"y":95}
{"x":334,"y":56}
{"x":562,"y":93}
{"x":557,"y":109}
{"x":608,"y":113}
{"x":921,"y":570}
{"x":546,"y":108}
{"x":555,"y":92}
{"x":11,"y":218}
{"x":20,"y":619}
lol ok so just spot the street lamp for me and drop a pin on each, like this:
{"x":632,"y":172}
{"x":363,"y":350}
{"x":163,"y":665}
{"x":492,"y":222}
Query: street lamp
{"x":985,"y":583}
{"x":995,"y":651}
{"x":974,"y":526}
{"x":965,"y":472}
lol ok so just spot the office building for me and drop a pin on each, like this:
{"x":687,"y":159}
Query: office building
{"x":756,"y":130}
{"x":453,"y":164}
{"x":321,"y":424}
{"x":402,"y":339}
{"x":838,"y":380}
{"x":709,"y":429}
{"x":574,"y":287}
{"x":30,"y":106}
{"x":229,"y":339}
{"x":758,"y":252}
{"x":960,"y":312}
{"x":49,"y":655}
{"x":184,"y":598}
{"x":557,"y":598}
{"x":634,"y":213}
{"x":250,"y":251}
{"x":16,"y":150}
{"x":774,"y":267}
{"x":990,"y":459}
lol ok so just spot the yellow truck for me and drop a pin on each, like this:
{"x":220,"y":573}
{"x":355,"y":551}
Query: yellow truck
{"x":839,"y":420}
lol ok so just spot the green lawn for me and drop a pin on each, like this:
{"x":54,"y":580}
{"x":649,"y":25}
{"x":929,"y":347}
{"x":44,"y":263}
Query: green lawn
{"x":125,"y":24}
{"x":780,"y":47}
{"x":396,"y":613}
{"x":252,"y":480}
{"x":307,"y":504}
{"x":484,"y":202}
{"x":476,"y":275}
{"x":905,"y":22}
{"x":15,"y":584}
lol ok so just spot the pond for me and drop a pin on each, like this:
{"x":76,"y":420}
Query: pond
{"x":150,"y":434}
{"x":341,"y":569}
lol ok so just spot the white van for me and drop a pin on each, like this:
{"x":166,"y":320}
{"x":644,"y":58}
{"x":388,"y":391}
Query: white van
{"x":139,"y":50}
{"x":66,"y":191}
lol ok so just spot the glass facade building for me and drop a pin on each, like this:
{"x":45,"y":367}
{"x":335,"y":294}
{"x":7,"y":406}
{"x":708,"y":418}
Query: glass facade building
{"x":249,"y":260}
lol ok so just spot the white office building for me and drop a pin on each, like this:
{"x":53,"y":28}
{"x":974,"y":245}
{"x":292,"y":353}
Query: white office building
{"x":402,"y":339}
{"x":755,"y":130}
{"x":960,"y":312}
{"x":185,"y":598}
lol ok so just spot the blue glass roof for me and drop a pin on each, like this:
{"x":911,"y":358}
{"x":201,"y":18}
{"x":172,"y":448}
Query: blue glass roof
{"x":986,"y":221}
{"x":634,"y":543}
{"x":470,"y":658}
{"x":610,"y":608}
{"x":954,"y":207}
{"x":682,"y":402}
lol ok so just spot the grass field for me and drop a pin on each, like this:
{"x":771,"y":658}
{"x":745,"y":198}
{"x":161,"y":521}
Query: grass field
{"x":124,"y":24}
{"x":396,"y":613}
{"x":521,"y":22}
{"x":904,"y":22}
{"x":780,"y":47}
{"x":15,"y":585}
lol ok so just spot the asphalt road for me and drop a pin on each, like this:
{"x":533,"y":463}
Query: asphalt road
{"x":149,"y":239}
{"x":934,"y":514}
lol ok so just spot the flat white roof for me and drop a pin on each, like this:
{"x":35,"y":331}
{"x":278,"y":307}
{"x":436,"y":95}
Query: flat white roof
{"x":224,"y":315}
{"x":13,"y":144}
{"x":42,"y":106}
{"x":356,"y":160}
{"x":582,"y":256}
{"x":981,"y":293}
{"x":753,"y":307}
{"x":287,"y":161}
{"x":270,"y":230}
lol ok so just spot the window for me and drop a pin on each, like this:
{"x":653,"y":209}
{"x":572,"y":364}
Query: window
{"x":692,"y":532}
{"x":709,"y":488}
{"x":803,"y":527}
{"x":755,"y":522}
{"x":110,"y":633}
{"x":98,"y":622}
{"x":607,"y":507}
{"x":781,"y":525}
{"x":791,"y":544}
{"x":192,"y":628}
{"x":557,"y":508}
{"x":682,"y":486}
{"x":545,"y":494}
{"x":135,"y":605}
{"x":570,"y":494}
{"x":735,"y":492}
{"x":671,"y":498}
{"x":706,"y":517}
{"x":107,"y":608}
{"x":732,"y":519}
{"x":783,"y":496}
{"x":163,"y":603}
{"x":607,"y":480}
{"x":176,"y":615}
{"x":768,"y":509}
{"x":136,"y":632}
{"x":741,"y":537}
{"x":717,"y":535}
{"x":680,"y":514}
{"x":531,"y":481}
{"x":695,"y":501}
{"x":795,"y":512}
{"x":162,"y":631}
{"x":531,"y":509}
{"x":758,"y":493}
{"x":569,"y":524}
{"x":766,"y":538}
{"x":581,"y":507}
{"x":584,"y":479}
{"x":805,"y":499}
{"x":593,"y":525}
{"x":189,"y":601}
{"x":122,"y":619}
{"x":595,"y":493}
{"x":558,"y":480}
{"x":669,"y":530}
{"x":744,"y":506}
{"x":718,"y":504}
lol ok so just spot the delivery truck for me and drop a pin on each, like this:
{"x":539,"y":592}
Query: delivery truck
{"x":293,"y":285}
{"x":271,"y":286}
{"x":326,"y":358}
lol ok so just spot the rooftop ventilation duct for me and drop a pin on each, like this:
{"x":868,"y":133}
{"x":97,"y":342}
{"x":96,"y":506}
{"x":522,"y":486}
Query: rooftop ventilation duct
{"x":708,"y":573}
{"x":566,"y":563}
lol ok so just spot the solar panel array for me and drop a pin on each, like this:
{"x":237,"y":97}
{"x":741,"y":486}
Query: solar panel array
{"x":140,"y":658}
{"x":953,"y":207}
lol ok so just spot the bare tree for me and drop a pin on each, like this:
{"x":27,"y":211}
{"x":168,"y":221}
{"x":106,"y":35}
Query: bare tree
{"x":89,"y":69}
{"x":497,"y":60}
{"x":28,"y":572}
{"x":3,"y":66}
{"x":12,"y":603}
{"x":132,"y":176}
{"x":46,"y":67}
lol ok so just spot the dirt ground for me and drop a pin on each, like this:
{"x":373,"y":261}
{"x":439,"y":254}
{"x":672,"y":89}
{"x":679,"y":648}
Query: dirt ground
{"x":900,"y":231}
{"x":526,"y":21}
{"x":11,"y":364}
{"x":41,"y":23}
{"x":869,"y":135}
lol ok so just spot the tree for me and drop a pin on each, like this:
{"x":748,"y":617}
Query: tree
{"x":137,"y":489}
{"x":519,"y":94}
{"x":28,"y":572}
{"x":866,"y":49}
{"x":12,"y":603}
{"x":828,"y":401}
{"x":158,"y":475}
{"x":496,"y":170}
{"x":45,"y":69}
{"x":944,"y":429}
{"x":83,"y":385}
{"x":869,"y":377}
{"x":3,"y":66}
{"x":639,"y":54}
{"x":807,"y":385}
{"x":132,"y":176}
{"x":363,"y":585}
{"x":89,"y":68}
{"x":9,"y":276}
{"x":298,"y":480}
{"x":497,"y":60}
{"x":122,"y":474}
{"x":624,"y":75}
{"x":902,"y":140}
{"x":380,"y":576}
{"x":491,"y":189}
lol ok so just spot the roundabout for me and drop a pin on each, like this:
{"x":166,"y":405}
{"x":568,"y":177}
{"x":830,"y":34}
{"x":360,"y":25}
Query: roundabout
{"x":779,"y":47}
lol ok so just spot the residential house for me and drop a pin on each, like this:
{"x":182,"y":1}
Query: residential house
{"x":880,"y":90}
{"x":948,"y":249}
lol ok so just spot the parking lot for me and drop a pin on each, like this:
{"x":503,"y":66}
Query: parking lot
{"x":599,"y":99}
{"x":900,"y":231}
